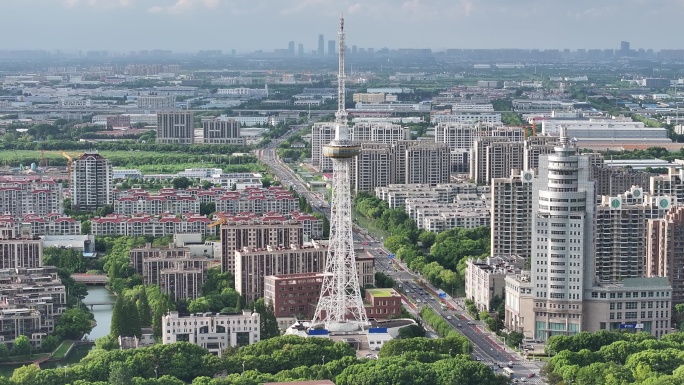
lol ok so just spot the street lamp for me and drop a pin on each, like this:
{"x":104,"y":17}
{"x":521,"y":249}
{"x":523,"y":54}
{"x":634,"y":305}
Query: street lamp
{"x":243,"y":368}
{"x":450,"y":352}
{"x":155,"y":372}
{"x":323,"y":360}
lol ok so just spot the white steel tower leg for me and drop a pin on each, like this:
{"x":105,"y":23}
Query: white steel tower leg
{"x":340,"y":307}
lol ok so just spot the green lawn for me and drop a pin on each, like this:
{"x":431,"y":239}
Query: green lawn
{"x":61,"y":351}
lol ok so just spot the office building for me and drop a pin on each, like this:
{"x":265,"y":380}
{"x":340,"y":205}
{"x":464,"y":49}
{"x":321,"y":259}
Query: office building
{"x":296,"y":295}
{"x":214,"y":332}
{"x":511,"y":220}
{"x":222,"y":130}
{"x":154,"y":102}
{"x":665,"y":251}
{"x":576,"y":282}
{"x":562,"y":241}
{"x":177,"y":127}
{"x":293,"y":295}
{"x":485,"y":279}
{"x":239,"y":233}
{"x":382,"y":304}
{"x":172,"y":268}
{"x":91,"y":181}
{"x":621,"y":224}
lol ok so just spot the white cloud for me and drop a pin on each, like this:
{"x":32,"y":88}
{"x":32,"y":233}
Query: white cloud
{"x":180,"y":6}
{"x":97,"y":3}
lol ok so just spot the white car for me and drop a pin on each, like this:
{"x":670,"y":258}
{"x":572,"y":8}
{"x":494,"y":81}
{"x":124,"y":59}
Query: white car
{"x":449,"y":317}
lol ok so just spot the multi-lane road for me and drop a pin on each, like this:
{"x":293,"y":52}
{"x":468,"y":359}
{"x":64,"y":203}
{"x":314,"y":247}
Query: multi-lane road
{"x":486,"y":347}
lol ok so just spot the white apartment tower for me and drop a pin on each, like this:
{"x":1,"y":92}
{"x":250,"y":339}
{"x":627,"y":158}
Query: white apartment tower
{"x":621,"y":227}
{"x":510,"y":214}
{"x":176,"y":127}
{"x":321,"y":134}
{"x":562,"y":241}
{"x":91,"y":181}
{"x":373,"y":167}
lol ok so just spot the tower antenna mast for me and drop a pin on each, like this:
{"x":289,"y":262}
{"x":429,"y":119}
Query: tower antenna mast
{"x":340,"y":307}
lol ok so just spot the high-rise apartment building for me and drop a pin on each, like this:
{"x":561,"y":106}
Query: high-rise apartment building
{"x":621,"y":223}
{"x":562,"y":241}
{"x":665,"y":251}
{"x":176,"y":127}
{"x":536,"y":146}
{"x":379,"y":132}
{"x":458,"y":136}
{"x":21,"y":250}
{"x":494,"y":157}
{"x":256,"y":234}
{"x":172,"y":268}
{"x":420,"y":162}
{"x":613,"y":181}
{"x":373,"y":167}
{"x":222,"y":130}
{"x":253,"y":264}
{"x":91,"y":181}
{"x":321,"y":134}
{"x":427,"y":163}
{"x":511,"y":219}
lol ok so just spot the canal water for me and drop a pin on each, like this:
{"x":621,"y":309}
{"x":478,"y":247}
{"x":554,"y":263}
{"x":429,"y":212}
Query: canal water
{"x":103,"y":317}
{"x":102,"y":313}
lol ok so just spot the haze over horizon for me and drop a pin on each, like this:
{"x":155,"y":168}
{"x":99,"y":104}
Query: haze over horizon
{"x":248,"y":25}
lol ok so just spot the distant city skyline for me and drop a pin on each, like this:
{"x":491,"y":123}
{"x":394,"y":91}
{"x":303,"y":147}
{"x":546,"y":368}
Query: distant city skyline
{"x":249,"y":25}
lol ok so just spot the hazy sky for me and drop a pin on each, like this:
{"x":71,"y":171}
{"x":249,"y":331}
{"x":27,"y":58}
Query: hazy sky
{"x":246,"y":25}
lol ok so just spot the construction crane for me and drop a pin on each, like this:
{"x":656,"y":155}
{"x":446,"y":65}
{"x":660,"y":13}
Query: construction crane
{"x":219,"y":222}
{"x":69,"y":162}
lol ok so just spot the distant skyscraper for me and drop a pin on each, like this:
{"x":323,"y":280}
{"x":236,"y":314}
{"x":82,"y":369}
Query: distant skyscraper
{"x":291,"y":48}
{"x":624,"y":47}
{"x":321,"y":45}
{"x":300,"y":49}
{"x":331,"y":48}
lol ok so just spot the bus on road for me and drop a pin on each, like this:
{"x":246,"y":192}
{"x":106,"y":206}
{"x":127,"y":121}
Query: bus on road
{"x":508,"y":372}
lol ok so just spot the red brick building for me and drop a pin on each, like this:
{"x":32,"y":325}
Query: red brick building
{"x":382,"y":303}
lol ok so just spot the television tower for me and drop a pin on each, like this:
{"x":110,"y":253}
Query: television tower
{"x":340,"y":307}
